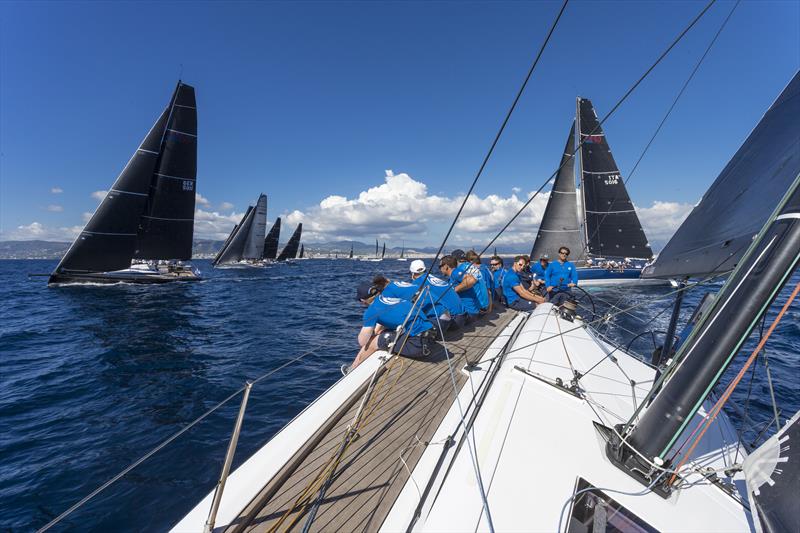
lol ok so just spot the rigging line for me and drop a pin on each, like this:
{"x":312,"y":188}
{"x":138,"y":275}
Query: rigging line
{"x":497,"y":138}
{"x":666,"y":116}
{"x":732,"y":385}
{"x":164,"y":443}
{"x":606,"y":117}
{"x":467,"y":431}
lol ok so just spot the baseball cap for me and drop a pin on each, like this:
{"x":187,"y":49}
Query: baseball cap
{"x":458,"y":254}
{"x":544,"y":256}
{"x":417,"y":266}
{"x":365,"y":290}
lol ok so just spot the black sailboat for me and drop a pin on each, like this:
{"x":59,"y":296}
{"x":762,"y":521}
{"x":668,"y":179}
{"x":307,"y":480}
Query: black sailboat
{"x":271,"y":240}
{"x":383,"y":251}
{"x":245,"y":244}
{"x":148,"y":213}
{"x":351,"y":252}
{"x":605,"y":227}
{"x":302,"y":252}
{"x":402,"y":252}
{"x":290,"y":250}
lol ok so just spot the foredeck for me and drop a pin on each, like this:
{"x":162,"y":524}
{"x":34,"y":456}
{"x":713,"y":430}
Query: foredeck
{"x":409,"y":400}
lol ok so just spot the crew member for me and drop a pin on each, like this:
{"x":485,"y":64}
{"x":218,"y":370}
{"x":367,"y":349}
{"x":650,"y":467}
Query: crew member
{"x":516,"y":295}
{"x":484,"y":278}
{"x":440,"y":301}
{"x":463,"y":283}
{"x":498,"y":272}
{"x":560,"y":277}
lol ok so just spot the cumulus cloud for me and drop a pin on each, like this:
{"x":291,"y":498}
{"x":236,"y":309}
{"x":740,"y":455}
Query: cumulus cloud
{"x":201,"y":200}
{"x":213,"y":225}
{"x":38,"y":231}
{"x":56,"y":190}
{"x":402,"y":206}
{"x":99,"y":195}
{"x":662,"y":219}
{"x":54,"y":208}
{"x":225,"y":206}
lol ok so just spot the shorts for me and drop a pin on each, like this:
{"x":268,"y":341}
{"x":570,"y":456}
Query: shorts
{"x":407,"y":346}
{"x":558,"y":297}
{"x":523,"y":305}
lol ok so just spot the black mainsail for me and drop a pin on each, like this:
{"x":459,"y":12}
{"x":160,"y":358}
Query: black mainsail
{"x":351,"y":252}
{"x":149,"y":211}
{"x":271,"y":240}
{"x":559,"y":226}
{"x":302,"y":251}
{"x":611,"y":226}
{"x":737,"y":205}
{"x":383,"y":251}
{"x":234,"y":249}
{"x":290,"y":250}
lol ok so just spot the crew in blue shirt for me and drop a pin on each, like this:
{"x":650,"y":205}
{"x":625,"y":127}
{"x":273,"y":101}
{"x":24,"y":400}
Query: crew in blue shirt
{"x":464,"y":283}
{"x":538,"y":270}
{"x":515,"y":294}
{"x":560,"y":277}
{"x":441,"y":304}
{"x":498,"y":272}
{"x":484,"y":278}
{"x":381,"y":320}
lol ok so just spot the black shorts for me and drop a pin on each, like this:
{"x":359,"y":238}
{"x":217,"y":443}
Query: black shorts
{"x":523,"y":305}
{"x":406,"y":346}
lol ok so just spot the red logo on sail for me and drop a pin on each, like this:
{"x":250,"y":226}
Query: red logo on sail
{"x":593,"y":139}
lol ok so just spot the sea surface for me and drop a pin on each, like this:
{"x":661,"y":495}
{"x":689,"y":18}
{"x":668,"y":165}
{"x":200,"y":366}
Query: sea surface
{"x":93,"y":377}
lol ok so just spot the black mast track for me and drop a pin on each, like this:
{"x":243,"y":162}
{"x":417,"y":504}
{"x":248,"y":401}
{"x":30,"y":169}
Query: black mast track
{"x":108,"y":240}
{"x":271,"y":240}
{"x":167,"y":226}
{"x":610,"y":220}
{"x":559,"y":226}
{"x":290,"y":250}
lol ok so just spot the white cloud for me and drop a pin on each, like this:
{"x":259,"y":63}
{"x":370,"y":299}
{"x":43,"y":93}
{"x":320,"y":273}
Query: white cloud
{"x":225,"y":206}
{"x":213,"y":225}
{"x":202,"y":200}
{"x":56,"y":190}
{"x":86,"y":215}
{"x":661,"y":220}
{"x":53,"y":208}
{"x":99,"y":195}
{"x":38,"y":231}
{"x":516,"y":190}
{"x":401,"y":207}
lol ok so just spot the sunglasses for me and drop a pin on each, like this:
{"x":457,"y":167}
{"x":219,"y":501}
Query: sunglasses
{"x":563,"y":253}
{"x":494,"y":264}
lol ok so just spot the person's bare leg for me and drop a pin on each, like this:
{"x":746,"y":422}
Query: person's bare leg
{"x":370,"y":348}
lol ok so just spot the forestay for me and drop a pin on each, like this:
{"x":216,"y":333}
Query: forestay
{"x":742,"y":198}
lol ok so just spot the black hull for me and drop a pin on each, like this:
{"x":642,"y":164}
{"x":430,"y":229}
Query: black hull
{"x":109,"y":278}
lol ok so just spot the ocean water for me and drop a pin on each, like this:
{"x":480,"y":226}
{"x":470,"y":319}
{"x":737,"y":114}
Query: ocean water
{"x":93,"y":377}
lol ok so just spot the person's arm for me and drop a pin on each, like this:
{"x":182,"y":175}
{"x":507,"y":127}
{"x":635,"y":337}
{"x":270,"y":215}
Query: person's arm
{"x":467,"y":282}
{"x":365,"y":335}
{"x":527,"y":295}
{"x":573,"y":277}
{"x":548,"y":275}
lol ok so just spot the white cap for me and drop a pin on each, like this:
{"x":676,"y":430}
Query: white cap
{"x":417,"y":266}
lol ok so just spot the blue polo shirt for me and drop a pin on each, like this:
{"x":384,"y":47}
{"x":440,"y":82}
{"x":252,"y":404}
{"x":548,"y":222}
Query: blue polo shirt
{"x":400,"y":289}
{"x":392,"y":312}
{"x":469,"y":297}
{"x":538,"y":270}
{"x":445,"y":298}
{"x":487,"y":276}
{"x":558,"y":274}
{"x":511,"y":280}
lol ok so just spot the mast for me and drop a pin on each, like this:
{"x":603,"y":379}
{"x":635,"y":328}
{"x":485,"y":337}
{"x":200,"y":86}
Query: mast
{"x":577,"y":141}
{"x":383,"y":252}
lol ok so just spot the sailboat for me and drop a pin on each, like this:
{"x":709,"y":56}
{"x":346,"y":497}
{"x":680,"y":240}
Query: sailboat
{"x":403,"y":253}
{"x":302,"y":252}
{"x":351,"y":252}
{"x":600,"y":227}
{"x":290,"y":250}
{"x":529,"y":423}
{"x":271,"y":241}
{"x":383,"y":251}
{"x":142,"y":230}
{"x":377,"y":256}
{"x":244,"y":247}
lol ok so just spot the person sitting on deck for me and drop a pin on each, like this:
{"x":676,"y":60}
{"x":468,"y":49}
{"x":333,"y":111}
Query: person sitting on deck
{"x":560,"y":277}
{"x":538,"y":271}
{"x":516,"y":295}
{"x":440,"y":303}
{"x":383,"y":326}
{"x":498,"y":272}
{"x":463,"y":283}
{"x":525,"y":275}
{"x":485,"y":277}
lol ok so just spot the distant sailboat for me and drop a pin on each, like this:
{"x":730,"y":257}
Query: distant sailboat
{"x":271,"y":240}
{"x":377,"y":257}
{"x":148,"y":213}
{"x":383,"y":252}
{"x":245,"y":245}
{"x":403,"y":253}
{"x":351,"y":252}
{"x":302,"y":252}
{"x":290,"y":250}
{"x":605,"y":227}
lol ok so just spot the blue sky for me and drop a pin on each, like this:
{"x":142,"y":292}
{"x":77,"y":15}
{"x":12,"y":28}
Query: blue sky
{"x":306,"y":101}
